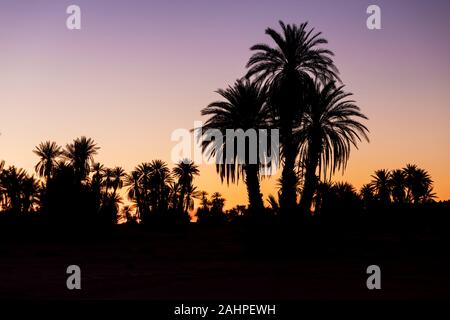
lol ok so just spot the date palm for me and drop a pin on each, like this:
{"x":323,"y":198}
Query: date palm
{"x":185,"y":171}
{"x":296,"y":57}
{"x":80,"y":154}
{"x":135,"y":192}
{"x":419,"y":184}
{"x":243,"y":107}
{"x":329,"y":128}
{"x":398,"y":185}
{"x":118,"y":179}
{"x":382,"y":186}
{"x":367,"y":194}
{"x":48,"y":153}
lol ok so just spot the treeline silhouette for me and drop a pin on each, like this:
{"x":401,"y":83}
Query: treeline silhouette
{"x":72,"y":189}
{"x":292,"y":85}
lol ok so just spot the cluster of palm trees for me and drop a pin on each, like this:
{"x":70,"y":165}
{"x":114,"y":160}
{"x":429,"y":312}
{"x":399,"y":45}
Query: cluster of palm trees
{"x":156,"y":190}
{"x":292,"y":86}
{"x":18,"y":190}
{"x":68,"y":177}
{"x":410,"y":184}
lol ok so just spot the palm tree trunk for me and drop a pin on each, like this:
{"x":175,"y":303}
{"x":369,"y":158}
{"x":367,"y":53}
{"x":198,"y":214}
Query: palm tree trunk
{"x":256,"y":204}
{"x":288,"y":196}
{"x":310,"y":183}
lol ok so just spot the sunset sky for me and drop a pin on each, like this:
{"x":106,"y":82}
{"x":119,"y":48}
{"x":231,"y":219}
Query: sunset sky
{"x":138,"y":70}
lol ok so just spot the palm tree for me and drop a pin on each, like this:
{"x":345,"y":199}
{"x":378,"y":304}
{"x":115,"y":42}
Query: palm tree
{"x":134,"y":192}
{"x":297,"y":56}
{"x":382,"y":186}
{"x":204,"y":201}
{"x":108,"y":181}
{"x":329,"y":127}
{"x":243,"y":107}
{"x":398,"y":184}
{"x":159,"y":180}
{"x":98,"y":174}
{"x":217,"y":203}
{"x":48,"y":152}
{"x":118,"y":178}
{"x":367,"y":194}
{"x":419,"y":184}
{"x":19,"y":191}
{"x":80,"y":154}
{"x":185,"y":171}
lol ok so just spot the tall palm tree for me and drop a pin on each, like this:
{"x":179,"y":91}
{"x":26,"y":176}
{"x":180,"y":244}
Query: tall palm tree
{"x":329,"y":127}
{"x":80,"y":154}
{"x":297,"y":56}
{"x":382,"y":186}
{"x":243,"y":107}
{"x":184,"y":171}
{"x":48,"y":153}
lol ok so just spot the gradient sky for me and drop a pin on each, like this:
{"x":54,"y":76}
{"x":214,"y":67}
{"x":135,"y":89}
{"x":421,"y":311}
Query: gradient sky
{"x":140,"y":69}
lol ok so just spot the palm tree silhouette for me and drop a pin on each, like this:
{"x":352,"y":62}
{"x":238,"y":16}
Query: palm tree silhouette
{"x":48,"y":153}
{"x":19,"y":191}
{"x":217,"y":204}
{"x":134,"y":192}
{"x":118,"y":174}
{"x":244,"y":107}
{"x":108,"y":178}
{"x":329,"y":127}
{"x":159,"y":181}
{"x":398,"y":185}
{"x":296,"y":57}
{"x":80,"y":155}
{"x":184,"y":171}
{"x":382,"y":186}
{"x":149,"y":187}
{"x":367,"y":195}
{"x":418,"y":184}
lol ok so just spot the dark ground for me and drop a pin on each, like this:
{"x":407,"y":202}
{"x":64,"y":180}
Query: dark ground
{"x":224,"y":263}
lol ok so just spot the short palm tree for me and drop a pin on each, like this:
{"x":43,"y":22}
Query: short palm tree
{"x":329,"y":127}
{"x":296,"y":57}
{"x":243,"y":108}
